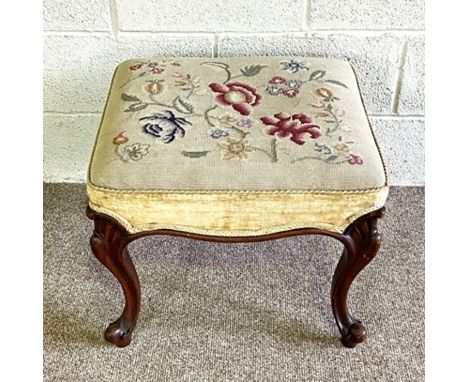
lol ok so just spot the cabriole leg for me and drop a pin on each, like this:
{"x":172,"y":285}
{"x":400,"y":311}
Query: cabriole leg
{"x":362,"y":241}
{"x":109,"y":244}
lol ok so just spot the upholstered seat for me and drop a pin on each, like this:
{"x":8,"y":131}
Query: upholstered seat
{"x":235,"y":147}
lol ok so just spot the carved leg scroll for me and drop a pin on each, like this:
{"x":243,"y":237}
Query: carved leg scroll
{"x":362,"y":241}
{"x":109,"y":244}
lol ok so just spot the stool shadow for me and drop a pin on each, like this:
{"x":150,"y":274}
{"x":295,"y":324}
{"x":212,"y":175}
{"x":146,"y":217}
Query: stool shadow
{"x":238,"y":318}
{"x":63,"y":327}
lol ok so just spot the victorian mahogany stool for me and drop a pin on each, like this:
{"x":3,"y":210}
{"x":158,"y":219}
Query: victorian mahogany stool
{"x":234,"y":150}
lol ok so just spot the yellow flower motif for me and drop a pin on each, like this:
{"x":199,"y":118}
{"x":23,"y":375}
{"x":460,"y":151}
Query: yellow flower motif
{"x":120,"y":139}
{"x":177,"y":74}
{"x":180,"y":82}
{"x":235,"y":148}
{"x":227,"y":119}
{"x":341,"y":148}
{"x":154,"y":88}
{"x":324,"y":93}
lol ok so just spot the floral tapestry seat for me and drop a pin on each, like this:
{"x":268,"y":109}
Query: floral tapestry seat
{"x":238,"y":146}
{"x":235,"y":147}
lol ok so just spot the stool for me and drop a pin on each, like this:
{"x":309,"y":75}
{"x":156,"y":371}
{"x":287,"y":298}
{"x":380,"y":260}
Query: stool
{"x":235,"y":150}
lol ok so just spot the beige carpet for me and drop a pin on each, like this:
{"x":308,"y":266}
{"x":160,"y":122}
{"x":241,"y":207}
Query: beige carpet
{"x":232,"y":312}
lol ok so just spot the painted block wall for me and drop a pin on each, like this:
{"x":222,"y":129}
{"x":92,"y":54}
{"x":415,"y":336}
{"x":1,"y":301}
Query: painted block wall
{"x":85,"y":39}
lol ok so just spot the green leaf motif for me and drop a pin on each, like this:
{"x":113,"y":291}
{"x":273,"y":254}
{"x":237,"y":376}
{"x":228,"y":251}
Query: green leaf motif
{"x":324,"y":149}
{"x":182,"y":105}
{"x":337,"y":83}
{"x":129,"y":98}
{"x":331,"y":158}
{"x":251,"y":70}
{"x":194,"y":154}
{"x":316,"y":75}
{"x":136,"y":107}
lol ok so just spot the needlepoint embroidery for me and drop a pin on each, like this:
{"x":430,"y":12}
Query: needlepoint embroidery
{"x":241,"y":114}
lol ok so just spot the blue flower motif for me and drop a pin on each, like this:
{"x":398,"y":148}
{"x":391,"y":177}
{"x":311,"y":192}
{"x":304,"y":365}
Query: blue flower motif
{"x":294,"y":66}
{"x":274,"y":90}
{"x":218,"y":133}
{"x":164,"y":125}
{"x":294,"y":84}
{"x":245,"y":122}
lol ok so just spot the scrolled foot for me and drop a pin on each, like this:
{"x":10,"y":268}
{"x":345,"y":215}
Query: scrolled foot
{"x":117,"y":335}
{"x":354,"y":335}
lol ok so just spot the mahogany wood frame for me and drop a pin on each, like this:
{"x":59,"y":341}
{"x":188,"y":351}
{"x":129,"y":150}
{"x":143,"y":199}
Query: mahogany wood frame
{"x":361,"y":242}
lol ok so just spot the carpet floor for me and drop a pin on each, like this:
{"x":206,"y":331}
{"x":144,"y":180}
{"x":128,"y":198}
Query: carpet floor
{"x":232,"y":312}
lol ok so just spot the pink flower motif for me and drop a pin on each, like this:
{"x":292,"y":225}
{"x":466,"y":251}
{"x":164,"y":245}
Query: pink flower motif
{"x":354,"y":159}
{"x":136,"y":66}
{"x":277,"y":80}
{"x":291,"y":93}
{"x":156,"y":70}
{"x":295,"y":126}
{"x":241,"y":97}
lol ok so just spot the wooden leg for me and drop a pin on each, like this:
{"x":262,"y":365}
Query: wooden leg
{"x":109,"y":244}
{"x":362,"y":241}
